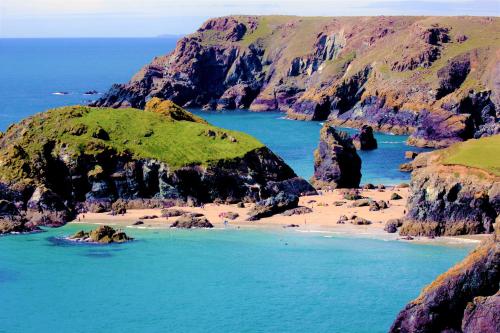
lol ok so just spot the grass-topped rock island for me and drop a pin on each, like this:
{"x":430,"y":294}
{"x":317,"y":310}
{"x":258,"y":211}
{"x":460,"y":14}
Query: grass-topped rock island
{"x":57,"y":163}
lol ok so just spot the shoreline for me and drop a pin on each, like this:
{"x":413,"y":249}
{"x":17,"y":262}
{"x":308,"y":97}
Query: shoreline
{"x":326,"y":210}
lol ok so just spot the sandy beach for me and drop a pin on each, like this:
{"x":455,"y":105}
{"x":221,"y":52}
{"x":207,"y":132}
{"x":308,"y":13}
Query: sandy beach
{"x":326,"y":211}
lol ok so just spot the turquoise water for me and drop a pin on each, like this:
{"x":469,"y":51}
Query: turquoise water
{"x":212,"y":281}
{"x":295,"y":142}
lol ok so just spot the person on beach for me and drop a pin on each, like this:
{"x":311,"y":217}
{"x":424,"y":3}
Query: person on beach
{"x":225,"y":223}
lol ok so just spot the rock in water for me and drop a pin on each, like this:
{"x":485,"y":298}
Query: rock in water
{"x":365,"y":140}
{"x":273,"y":205}
{"x":103,"y":235}
{"x":464,"y":299}
{"x":336,"y":162}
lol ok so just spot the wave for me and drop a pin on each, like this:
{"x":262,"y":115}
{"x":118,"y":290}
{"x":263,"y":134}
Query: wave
{"x":60,"y":93}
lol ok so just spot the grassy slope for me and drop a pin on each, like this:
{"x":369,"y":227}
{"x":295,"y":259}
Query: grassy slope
{"x":482,"y":153}
{"x":144,"y":134}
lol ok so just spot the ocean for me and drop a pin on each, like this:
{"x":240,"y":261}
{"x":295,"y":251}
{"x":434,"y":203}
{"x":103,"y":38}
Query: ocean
{"x":197,"y":280}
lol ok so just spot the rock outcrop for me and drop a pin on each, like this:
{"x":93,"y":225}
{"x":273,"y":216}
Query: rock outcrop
{"x":274,"y":205}
{"x":52,"y":165}
{"x":101,"y":235}
{"x":365,"y":140}
{"x":431,"y":77}
{"x":336,"y":162}
{"x":452,"y":199}
{"x":191,"y":221}
{"x":464,"y":299}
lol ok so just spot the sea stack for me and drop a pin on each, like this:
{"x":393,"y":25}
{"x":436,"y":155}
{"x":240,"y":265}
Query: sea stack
{"x":365,"y":140}
{"x":336,"y":162}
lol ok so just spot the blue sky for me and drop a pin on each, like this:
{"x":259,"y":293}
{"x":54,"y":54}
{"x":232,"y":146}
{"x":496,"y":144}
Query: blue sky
{"x":141,"y":18}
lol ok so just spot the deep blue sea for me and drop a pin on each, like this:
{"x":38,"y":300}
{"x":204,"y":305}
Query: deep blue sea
{"x":200,"y":280}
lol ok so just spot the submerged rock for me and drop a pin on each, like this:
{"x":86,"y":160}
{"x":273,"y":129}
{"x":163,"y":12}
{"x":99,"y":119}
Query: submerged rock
{"x":336,"y":162}
{"x":103,"y":235}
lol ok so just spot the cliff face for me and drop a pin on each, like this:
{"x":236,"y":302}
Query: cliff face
{"x":464,"y":299}
{"x":433,"y":77}
{"x":78,"y":158}
{"x":455,"y":191}
{"x":336,"y":162}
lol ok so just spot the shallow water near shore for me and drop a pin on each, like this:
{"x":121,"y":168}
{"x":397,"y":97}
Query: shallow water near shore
{"x":212,"y":281}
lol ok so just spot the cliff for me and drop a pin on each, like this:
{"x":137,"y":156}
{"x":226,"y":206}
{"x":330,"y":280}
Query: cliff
{"x":435,"y":78}
{"x":456,"y":190}
{"x":79,"y":158}
{"x":464,"y":299}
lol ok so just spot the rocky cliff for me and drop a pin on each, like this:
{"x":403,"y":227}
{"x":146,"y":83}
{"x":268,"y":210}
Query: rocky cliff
{"x":336,"y":162}
{"x":64,"y":160}
{"x":435,"y":78}
{"x":455,"y":191}
{"x":464,"y":299}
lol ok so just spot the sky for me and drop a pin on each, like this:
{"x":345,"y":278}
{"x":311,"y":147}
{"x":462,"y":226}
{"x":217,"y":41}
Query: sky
{"x":149,"y":18}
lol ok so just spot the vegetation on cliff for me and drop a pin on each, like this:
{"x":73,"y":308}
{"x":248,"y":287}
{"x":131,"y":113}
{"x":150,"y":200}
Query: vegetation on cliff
{"x":481,"y":154}
{"x":81,"y":130}
{"x":432,"y":77}
{"x":57,"y":163}
{"x":456,"y":190}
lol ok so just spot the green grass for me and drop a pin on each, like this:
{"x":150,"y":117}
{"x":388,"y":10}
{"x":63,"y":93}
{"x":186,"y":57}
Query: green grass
{"x":143,"y":134}
{"x":482,"y":153}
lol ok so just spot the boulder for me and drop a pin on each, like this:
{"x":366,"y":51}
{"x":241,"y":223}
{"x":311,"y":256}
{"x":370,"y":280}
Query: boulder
{"x":406,"y":167}
{"x":336,"y":162}
{"x":361,"y":203}
{"x":170,"y":212}
{"x":360,"y":221}
{"x":410,"y":155}
{"x":229,"y":215}
{"x":365,"y":140}
{"x":297,"y":211}
{"x":395,"y":196}
{"x":273,"y":205}
{"x":190,"y":221}
{"x":392,"y":225}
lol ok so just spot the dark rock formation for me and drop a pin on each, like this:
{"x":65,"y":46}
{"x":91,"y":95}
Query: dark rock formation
{"x":365,"y":140}
{"x":190,"y":221}
{"x":464,"y":299}
{"x":450,"y":200}
{"x":392,"y":225}
{"x":273,"y":205}
{"x":339,"y":69}
{"x":482,"y":315}
{"x":336,"y":162}
{"x":297,"y":211}
{"x":102,"y":235}
{"x":48,"y":181}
